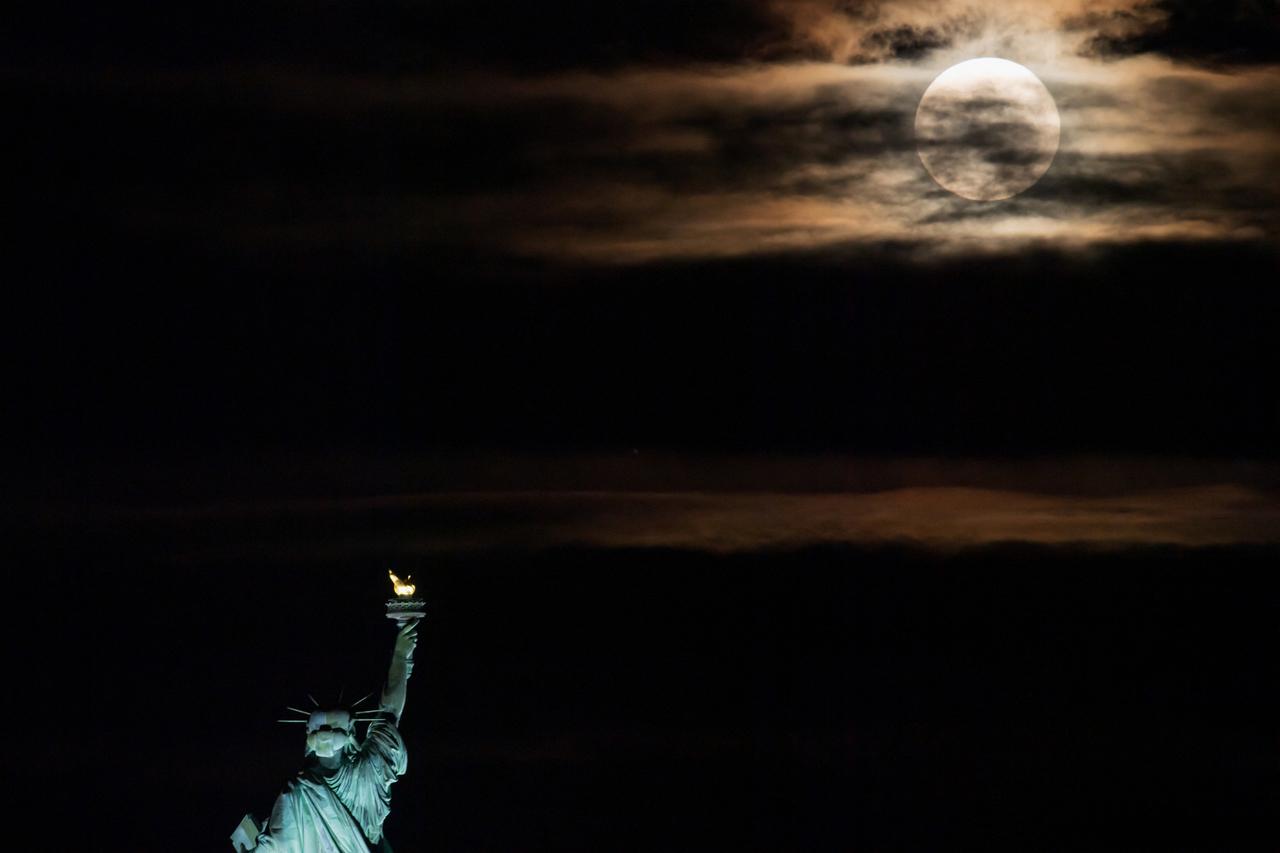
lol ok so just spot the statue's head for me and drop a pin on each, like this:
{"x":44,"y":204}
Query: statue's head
{"x":330,"y":733}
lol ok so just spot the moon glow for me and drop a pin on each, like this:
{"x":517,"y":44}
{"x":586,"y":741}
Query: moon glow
{"x":987,"y":129}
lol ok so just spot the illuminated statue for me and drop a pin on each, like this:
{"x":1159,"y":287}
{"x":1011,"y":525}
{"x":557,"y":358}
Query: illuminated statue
{"x":338,"y":802}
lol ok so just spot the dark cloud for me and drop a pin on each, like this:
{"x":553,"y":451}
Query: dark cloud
{"x":1093,"y":188}
{"x":765,"y":144}
{"x":1211,"y":32}
{"x":905,"y":42}
{"x":1251,"y":106}
{"x":1126,"y":187}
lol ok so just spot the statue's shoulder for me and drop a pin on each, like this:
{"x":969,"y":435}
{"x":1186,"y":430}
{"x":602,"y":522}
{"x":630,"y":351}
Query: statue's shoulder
{"x":301,"y":778}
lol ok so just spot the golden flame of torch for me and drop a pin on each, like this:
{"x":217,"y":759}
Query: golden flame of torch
{"x":404,"y":589}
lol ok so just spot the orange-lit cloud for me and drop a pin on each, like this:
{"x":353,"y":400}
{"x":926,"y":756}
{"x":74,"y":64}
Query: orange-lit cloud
{"x":939,"y":517}
{"x":888,"y":30}
{"x":799,"y":139}
{"x":934,"y":517}
{"x":715,"y":162}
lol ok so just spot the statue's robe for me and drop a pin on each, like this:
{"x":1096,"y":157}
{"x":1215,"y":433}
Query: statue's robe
{"x":341,"y":812}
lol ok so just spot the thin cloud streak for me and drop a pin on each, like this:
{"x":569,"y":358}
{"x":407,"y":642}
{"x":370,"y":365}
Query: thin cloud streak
{"x":943,"y":518}
{"x":939,"y":518}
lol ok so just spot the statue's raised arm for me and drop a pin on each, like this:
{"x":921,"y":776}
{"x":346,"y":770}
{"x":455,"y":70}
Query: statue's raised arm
{"x":393,"y":694}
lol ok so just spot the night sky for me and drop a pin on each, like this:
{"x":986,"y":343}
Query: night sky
{"x":767,"y":495}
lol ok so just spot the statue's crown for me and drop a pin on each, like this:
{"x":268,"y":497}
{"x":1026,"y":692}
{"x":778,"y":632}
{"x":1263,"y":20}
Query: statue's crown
{"x":338,"y":716}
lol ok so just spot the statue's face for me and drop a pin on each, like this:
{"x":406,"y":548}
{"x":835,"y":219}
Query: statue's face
{"x":328,"y":732}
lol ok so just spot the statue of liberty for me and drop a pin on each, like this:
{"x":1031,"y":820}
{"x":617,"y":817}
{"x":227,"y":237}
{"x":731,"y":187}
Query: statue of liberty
{"x":338,"y":802}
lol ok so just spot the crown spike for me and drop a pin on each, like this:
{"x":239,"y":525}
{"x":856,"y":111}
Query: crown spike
{"x":313,"y":700}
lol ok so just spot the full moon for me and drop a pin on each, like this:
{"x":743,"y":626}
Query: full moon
{"x":987,"y":129}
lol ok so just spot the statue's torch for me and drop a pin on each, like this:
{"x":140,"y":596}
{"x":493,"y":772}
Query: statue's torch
{"x":405,"y":606}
